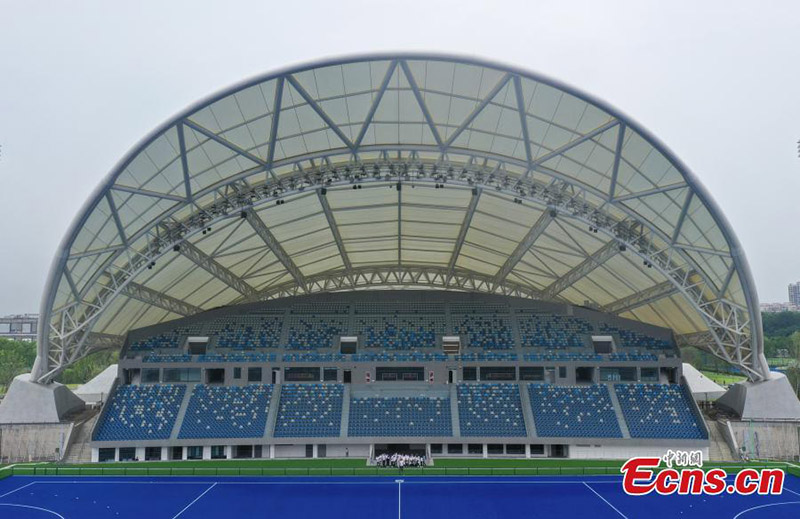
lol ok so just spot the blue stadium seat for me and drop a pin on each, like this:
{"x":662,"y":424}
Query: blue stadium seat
{"x":406,"y":332}
{"x":658,"y":411}
{"x":490,"y":332}
{"x":226,"y":412}
{"x":633,"y":339}
{"x":400,"y":416}
{"x":248,"y":332}
{"x":315,"y":332}
{"x":552,"y":331}
{"x":490,"y":410}
{"x":140,"y":413}
{"x":584,"y":411}
{"x":310,"y":411}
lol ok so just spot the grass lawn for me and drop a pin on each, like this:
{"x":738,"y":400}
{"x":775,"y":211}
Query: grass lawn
{"x":780,"y":362}
{"x":724,"y":379}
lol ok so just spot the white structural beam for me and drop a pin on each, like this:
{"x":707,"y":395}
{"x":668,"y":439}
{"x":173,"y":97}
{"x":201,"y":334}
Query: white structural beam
{"x":103,"y":341}
{"x":337,"y":236}
{"x":156,"y":298}
{"x":421,"y":100}
{"x":477,"y":110}
{"x":523,"y":121}
{"x":645,"y":297}
{"x":286,"y":260}
{"x":224,"y":142}
{"x":399,"y":276}
{"x":317,"y":108}
{"x":524,"y":245}
{"x":465,"y":224}
{"x":617,"y":158}
{"x":731,"y":325}
{"x":375,"y":103}
{"x":209,"y":264}
{"x":573,"y":143}
{"x":581,"y":270}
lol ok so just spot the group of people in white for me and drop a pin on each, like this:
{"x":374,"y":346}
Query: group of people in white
{"x":400,"y":460}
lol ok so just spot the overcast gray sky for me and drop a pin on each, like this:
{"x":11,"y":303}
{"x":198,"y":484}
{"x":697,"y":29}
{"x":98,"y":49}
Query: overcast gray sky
{"x":82,"y":82}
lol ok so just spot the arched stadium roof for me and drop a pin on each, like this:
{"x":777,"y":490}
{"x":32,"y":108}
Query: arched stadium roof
{"x":400,"y":171}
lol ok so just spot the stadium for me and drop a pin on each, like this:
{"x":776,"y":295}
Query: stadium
{"x":415,"y":254}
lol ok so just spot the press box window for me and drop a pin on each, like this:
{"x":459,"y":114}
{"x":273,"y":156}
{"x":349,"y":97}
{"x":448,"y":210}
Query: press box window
{"x":215,"y":376}
{"x":455,"y":448}
{"x":218,"y":452}
{"x":627,"y":374}
{"x":237,"y":373}
{"x":603,"y":344}
{"x":534,"y":373}
{"x":182,"y":375}
{"x":348,"y":345}
{"x":127,"y":453}
{"x":649,"y":374}
{"x":499,"y":373}
{"x":470,"y":373}
{"x":197,"y":345}
{"x":194,"y":453}
{"x":515,"y":448}
{"x":152,"y":453}
{"x":330,"y":374}
{"x":106,"y":454}
{"x":151,"y":375}
{"x":537,"y":450}
{"x":254,"y":374}
{"x":301,"y":374}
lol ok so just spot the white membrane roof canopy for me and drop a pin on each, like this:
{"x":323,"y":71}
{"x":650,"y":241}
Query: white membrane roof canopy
{"x":401,"y":170}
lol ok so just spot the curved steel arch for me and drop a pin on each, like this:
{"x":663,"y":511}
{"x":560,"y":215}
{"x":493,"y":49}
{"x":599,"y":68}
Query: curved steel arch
{"x":734,"y":329}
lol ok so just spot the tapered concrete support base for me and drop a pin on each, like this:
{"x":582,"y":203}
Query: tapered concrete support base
{"x":772,"y":399}
{"x":29,"y":402}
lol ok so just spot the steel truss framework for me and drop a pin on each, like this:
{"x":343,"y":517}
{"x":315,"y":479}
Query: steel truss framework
{"x":67,"y":332}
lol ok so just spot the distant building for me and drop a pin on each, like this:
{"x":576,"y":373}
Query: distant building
{"x":21,"y":327}
{"x":779,"y":307}
{"x":794,"y":294}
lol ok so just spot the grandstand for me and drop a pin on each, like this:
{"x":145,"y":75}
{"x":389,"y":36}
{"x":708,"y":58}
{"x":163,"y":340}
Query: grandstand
{"x":399,"y":253}
{"x":527,"y":380}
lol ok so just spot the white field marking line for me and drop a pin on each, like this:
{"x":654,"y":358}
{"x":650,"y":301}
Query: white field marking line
{"x":399,"y":483}
{"x":16,"y":489}
{"x":765,"y":506}
{"x":34,"y":508}
{"x":193,"y":502}
{"x":416,"y":482}
{"x":604,"y":500}
{"x":792,"y":491}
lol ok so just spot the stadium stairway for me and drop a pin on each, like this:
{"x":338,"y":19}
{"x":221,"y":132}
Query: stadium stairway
{"x":527,"y":410}
{"x":718,"y":449}
{"x":623,"y":425}
{"x":272,"y":413}
{"x":187,"y":395}
{"x":345,"y":412}
{"x":454,"y":410}
{"x":79,"y":450}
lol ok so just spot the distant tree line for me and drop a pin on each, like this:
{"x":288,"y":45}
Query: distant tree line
{"x":16,"y":357}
